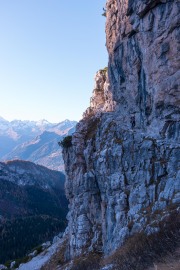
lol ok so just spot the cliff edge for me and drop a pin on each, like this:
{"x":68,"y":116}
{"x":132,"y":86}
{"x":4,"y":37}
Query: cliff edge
{"x":122,"y":168}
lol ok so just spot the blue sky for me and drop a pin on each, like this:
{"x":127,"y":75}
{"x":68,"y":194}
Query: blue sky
{"x":50,"y":51}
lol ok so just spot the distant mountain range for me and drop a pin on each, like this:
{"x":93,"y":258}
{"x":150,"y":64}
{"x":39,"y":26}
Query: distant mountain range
{"x":34,"y":141}
{"x":33,"y":207}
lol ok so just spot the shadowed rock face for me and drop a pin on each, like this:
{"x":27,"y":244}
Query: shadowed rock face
{"x":144,"y":62}
{"x":122,"y":169}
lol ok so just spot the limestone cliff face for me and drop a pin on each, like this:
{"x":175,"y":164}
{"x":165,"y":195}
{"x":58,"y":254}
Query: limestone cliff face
{"x":123,"y":166}
{"x":101,"y":100}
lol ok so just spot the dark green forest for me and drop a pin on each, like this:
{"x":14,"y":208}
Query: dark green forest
{"x":20,"y":236}
{"x":29,"y":216}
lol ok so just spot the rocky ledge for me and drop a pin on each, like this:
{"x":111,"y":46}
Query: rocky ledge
{"x":122,"y":169}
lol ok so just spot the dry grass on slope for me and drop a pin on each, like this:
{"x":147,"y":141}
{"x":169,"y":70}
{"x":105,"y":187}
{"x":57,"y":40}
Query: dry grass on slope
{"x":57,"y":259}
{"x":170,"y":262}
{"x":90,"y":262}
{"x":160,"y":251}
{"x":142,"y":251}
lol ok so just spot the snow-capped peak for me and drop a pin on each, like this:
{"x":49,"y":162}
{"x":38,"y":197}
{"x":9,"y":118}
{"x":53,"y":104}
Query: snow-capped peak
{"x":43,"y":122}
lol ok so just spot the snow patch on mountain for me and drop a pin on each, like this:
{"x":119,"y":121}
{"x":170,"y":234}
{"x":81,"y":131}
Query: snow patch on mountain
{"x":35,"y":141}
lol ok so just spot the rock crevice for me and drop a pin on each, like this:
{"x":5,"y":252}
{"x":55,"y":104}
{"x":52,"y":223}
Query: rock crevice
{"x":123,"y":165}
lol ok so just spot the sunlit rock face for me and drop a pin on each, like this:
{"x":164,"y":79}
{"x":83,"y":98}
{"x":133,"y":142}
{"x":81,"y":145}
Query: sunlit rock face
{"x":101,"y":100}
{"x":123,"y":166}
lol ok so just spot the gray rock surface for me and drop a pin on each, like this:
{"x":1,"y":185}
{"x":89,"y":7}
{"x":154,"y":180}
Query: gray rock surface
{"x":2,"y":267}
{"x":123,"y":167}
{"x":12,"y":264}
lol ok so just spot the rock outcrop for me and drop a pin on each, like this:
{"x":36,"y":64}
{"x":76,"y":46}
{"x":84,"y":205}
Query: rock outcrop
{"x":101,"y":100}
{"x":123,"y":166}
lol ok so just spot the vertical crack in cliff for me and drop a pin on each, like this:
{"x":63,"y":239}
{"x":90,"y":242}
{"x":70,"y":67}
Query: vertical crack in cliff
{"x":123,"y":166}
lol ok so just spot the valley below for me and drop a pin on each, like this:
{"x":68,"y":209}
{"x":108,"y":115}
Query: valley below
{"x":117,"y":199}
{"x":33,"y":207}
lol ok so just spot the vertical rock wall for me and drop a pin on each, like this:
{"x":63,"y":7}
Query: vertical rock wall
{"x":123,"y":166}
{"x":143,"y":45}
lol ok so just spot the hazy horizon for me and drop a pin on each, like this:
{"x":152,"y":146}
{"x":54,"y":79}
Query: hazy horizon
{"x":32,"y":120}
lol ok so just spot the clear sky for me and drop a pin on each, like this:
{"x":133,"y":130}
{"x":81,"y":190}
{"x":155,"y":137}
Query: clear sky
{"x":50,"y":51}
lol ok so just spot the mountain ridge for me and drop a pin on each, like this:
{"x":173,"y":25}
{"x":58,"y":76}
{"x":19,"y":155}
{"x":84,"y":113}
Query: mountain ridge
{"x":33,"y":207}
{"x":36,"y":141}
